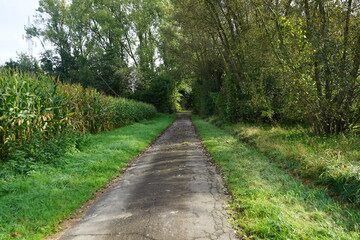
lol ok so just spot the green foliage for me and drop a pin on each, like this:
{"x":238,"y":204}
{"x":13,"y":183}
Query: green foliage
{"x":36,"y":109}
{"x":34,"y":205}
{"x":330,"y":161}
{"x":258,"y":61}
{"x":36,"y":152}
{"x":268,"y":202}
{"x":272,"y":61}
{"x":24,"y":63}
{"x":108,"y":45}
{"x":160,"y":94}
{"x":129,"y":111}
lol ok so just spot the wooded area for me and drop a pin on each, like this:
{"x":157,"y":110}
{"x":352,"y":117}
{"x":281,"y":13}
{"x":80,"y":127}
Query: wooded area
{"x":275,"y":88}
{"x":280,"y":61}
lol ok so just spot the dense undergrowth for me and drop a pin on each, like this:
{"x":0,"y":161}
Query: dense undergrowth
{"x":268,"y":202}
{"x":40,"y":118}
{"x":332,"y":161}
{"x":33,"y":205}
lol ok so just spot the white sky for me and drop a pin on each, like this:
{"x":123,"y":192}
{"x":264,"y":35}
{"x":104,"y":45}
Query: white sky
{"x":13,"y":17}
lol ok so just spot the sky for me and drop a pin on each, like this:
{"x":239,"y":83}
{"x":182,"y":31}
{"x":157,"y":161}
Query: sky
{"x":13,"y":17}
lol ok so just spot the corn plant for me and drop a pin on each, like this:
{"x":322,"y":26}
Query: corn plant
{"x":40,"y":107}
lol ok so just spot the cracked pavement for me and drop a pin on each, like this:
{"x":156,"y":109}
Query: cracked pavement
{"x":170,"y":192}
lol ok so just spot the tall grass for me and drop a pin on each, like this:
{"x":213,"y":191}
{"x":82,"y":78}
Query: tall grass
{"x":38,"y":108}
{"x":269,"y":203}
{"x":332,"y":161}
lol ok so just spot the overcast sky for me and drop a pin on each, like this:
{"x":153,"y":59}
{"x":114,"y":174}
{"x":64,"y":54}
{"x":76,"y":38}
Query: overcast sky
{"x":13,"y":16}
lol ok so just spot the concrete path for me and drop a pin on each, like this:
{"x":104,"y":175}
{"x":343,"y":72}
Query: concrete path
{"x":171,"y":192}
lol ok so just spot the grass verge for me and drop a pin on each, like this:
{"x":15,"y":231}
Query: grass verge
{"x":267,"y":202}
{"x":33,"y":205}
{"x":331,"y":161}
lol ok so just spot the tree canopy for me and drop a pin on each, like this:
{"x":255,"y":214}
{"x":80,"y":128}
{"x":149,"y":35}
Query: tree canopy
{"x":278,"y":61}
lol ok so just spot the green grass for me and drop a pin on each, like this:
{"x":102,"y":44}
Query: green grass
{"x":331,"y":161}
{"x":33,"y":205}
{"x":267,"y":202}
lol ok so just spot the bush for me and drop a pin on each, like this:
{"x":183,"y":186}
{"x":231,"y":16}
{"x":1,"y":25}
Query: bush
{"x":159,"y":93}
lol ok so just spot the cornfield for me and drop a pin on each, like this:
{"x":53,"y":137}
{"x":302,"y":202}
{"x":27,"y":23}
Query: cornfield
{"x":40,"y":107}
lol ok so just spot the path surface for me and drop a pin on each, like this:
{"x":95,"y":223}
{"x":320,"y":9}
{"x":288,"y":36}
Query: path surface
{"x":171,"y":192}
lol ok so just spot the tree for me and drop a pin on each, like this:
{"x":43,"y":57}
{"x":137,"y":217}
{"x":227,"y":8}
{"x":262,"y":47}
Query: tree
{"x":100,"y":43}
{"x":24,"y":63}
{"x":284,"y":61}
